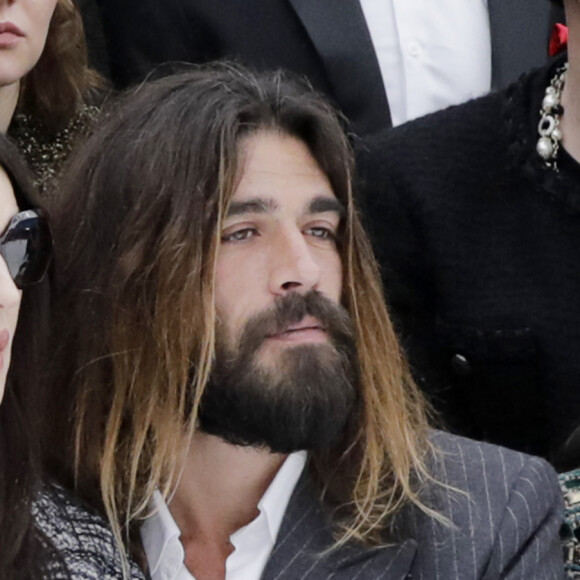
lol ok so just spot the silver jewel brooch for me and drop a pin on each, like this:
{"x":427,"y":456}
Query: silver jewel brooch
{"x":549,"y":126}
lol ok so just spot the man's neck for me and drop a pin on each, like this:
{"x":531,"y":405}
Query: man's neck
{"x":570,"y":122}
{"x":218,"y":493}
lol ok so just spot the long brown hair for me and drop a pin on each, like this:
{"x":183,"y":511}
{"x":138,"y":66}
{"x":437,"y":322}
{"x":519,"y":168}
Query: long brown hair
{"x":137,"y":233}
{"x":61,"y":81}
{"x":23,"y":549}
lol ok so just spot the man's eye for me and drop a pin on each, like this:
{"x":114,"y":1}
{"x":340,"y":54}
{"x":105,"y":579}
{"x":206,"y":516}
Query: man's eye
{"x":239,"y":235}
{"x":322,"y":233}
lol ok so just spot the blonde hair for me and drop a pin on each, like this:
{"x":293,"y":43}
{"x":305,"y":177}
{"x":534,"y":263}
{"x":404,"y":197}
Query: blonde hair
{"x":137,"y":230}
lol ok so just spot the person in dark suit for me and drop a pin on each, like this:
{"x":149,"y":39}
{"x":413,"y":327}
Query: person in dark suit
{"x":97,"y":51}
{"x":474,"y":213}
{"x":241,"y":406}
{"x":328,"y":42}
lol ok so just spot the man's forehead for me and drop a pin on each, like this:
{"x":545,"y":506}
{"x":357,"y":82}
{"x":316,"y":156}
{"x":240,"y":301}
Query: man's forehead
{"x":277,"y":171}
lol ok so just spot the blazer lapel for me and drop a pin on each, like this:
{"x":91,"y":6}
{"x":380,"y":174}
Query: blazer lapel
{"x":304,"y":536}
{"x":339,"y":33}
{"x":520,"y":31}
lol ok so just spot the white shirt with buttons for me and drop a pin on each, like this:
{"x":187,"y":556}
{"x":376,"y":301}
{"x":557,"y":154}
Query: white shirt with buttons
{"x":252,"y":543}
{"x":432,"y":53}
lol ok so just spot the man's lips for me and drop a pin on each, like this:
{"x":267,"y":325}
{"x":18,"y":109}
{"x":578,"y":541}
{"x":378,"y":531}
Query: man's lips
{"x":308,"y":329}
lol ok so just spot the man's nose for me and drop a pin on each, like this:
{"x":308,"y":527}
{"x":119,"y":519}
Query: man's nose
{"x":292,"y":264}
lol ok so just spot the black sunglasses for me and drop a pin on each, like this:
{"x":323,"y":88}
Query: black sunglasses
{"x":26,"y":246}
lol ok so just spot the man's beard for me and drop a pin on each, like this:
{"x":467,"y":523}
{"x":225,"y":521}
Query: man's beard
{"x":302,"y":403}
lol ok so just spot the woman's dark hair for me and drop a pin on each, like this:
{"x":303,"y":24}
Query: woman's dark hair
{"x":22,"y":547}
{"x":61,"y":81}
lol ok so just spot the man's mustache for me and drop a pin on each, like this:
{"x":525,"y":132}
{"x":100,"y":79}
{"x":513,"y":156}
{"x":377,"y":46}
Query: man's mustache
{"x":292,"y":308}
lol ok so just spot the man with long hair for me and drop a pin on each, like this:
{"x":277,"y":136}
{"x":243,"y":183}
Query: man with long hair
{"x":242,"y":408}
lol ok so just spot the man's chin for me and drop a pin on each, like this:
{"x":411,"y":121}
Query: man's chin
{"x":274,"y":355}
{"x":296,"y":398}
{"x":284,"y":390}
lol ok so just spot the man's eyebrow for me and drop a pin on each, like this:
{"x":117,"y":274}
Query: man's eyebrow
{"x":255,"y":205}
{"x":261,"y":205}
{"x":324,"y":204}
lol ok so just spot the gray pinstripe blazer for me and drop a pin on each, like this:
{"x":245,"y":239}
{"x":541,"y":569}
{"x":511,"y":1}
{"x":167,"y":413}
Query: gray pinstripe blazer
{"x":507,"y":528}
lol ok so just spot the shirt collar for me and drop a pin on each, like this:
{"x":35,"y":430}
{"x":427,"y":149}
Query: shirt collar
{"x":276,"y":498}
{"x":160,"y":534}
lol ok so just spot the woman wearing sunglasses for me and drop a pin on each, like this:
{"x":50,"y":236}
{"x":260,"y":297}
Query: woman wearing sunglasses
{"x":44,"y":532}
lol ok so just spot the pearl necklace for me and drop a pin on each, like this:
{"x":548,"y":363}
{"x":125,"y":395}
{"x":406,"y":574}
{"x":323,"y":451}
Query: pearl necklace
{"x":551,"y":113}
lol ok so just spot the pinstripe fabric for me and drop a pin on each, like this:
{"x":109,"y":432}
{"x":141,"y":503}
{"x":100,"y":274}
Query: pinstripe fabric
{"x":505,"y":526}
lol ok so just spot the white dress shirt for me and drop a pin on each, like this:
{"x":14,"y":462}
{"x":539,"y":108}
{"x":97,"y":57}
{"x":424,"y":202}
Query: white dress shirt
{"x":252,"y":543}
{"x":432,"y":53}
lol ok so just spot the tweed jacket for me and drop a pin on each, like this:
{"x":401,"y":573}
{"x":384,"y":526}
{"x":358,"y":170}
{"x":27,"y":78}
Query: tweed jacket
{"x":83,"y":542}
{"x":325,"y":40}
{"x":479,"y":243}
{"x":505,"y":526}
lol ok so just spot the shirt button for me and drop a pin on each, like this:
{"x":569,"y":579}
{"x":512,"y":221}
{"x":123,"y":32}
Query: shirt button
{"x":460,"y":365}
{"x":414,"y":49}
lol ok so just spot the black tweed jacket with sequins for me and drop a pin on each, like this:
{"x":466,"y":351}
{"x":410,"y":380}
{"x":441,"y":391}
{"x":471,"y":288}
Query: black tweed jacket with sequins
{"x":46,"y":153}
{"x":479,"y":243}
